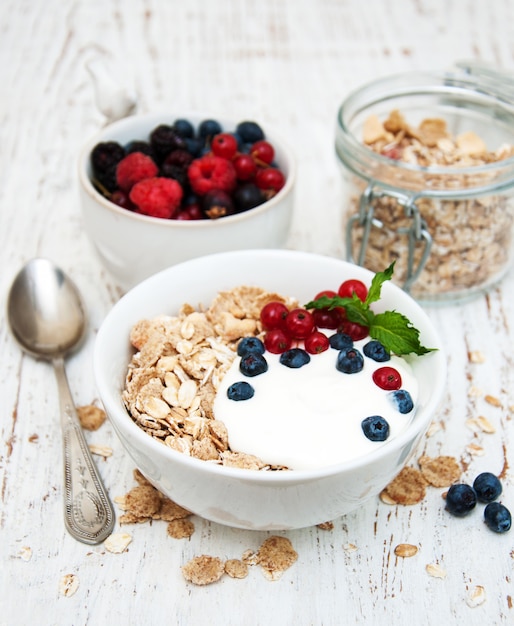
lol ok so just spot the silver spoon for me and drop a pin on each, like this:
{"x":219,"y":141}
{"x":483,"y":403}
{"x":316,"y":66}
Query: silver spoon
{"x":47,"y":318}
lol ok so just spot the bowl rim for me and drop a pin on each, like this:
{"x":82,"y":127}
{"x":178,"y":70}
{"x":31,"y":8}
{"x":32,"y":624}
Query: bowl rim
{"x":416,"y":428}
{"x":163,"y":117}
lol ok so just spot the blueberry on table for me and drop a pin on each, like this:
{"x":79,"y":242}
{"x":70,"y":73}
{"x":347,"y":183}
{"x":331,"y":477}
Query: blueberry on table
{"x":402,"y":400}
{"x":250,"y":345}
{"x":487,"y":487}
{"x":349,"y":361}
{"x":294,"y":358}
{"x":497,"y":517}
{"x":375,"y":428}
{"x":340,"y":341}
{"x":253,"y":364}
{"x":240,"y":390}
{"x":376,"y":351}
{"x":461,"y":499}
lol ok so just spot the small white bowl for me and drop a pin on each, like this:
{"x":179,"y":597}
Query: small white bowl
{"x":133,"y":247}
{"x":251,"y":499}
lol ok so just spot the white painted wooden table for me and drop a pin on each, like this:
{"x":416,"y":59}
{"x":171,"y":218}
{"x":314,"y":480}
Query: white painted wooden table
{"x":289,"y":62}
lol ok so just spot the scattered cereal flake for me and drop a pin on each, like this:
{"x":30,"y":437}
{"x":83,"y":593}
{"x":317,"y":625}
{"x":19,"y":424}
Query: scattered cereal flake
{"x":476,"y":597}
{"x":386,"y":498}
{"x":350,"y":547}
{"x":326,"y":526}
{"x":203,"y":570}
{"x":236,"y":568}
{"x":475,"y":450}
{"x":117,"y":542}
{"x":104,"y":451}
{"x":180,"y":528}
{"x":441,"y":471}
{"x":409,"y":487}
{"x":405,"y":550}
{"x":492,"y":400}
{"x":475,"y":392}
{"x":68,"y":585}
{"x":170,"y":511}
{"x":91,"y":417}
{"x":485,"y":425}
{"x":141,"y":503}
{"x":276,"y":555}
{"x":25,"y":553}
{"x":435,"y":570}
{"x":476,"y":356}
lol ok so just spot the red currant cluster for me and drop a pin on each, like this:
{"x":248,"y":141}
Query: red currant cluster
{"x":286,"y":327}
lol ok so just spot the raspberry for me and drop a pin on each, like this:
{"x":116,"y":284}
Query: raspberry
{"x":134,"y":168}
{"x":157,"y":197}
{"x":211,"y":172}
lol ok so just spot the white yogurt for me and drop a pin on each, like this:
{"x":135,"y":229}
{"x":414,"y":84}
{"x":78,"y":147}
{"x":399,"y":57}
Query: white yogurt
{"x":311,"y":417}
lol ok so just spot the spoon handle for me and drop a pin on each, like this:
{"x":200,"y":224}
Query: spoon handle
{"x":88,"y":512}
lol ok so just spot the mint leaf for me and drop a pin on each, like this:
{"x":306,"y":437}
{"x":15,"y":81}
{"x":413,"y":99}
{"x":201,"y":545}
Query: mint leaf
{"x":376,"y":284}
{"x":359,"y":312}
{"x":397,"y":334}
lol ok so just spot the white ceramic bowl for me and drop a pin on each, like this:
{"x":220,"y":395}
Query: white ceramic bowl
{"x":246,"y":498}
{"x":133,"y":247}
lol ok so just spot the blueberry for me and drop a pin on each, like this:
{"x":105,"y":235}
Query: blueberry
{"x":487,"y":486}
{"x":497,"y":517}
{"x":250,"y":345}
{"x":209,"y":128}
{"x":402,"y":400}
{"x":461,"y":499}
{"x":375,"y":428}
{"x":184,"y":128}
{"x":340,"y":341}
{"x":376,"y":351}
{"x":247,"y":197}
{"x":349,"y":361}
{"x":253,"y":365}
{"x":194,"y":146}
{"x":295,"y":358}
{"x":250,"y":132}
{"x":240,"y":391}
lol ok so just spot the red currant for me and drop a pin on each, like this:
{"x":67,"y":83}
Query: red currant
{"x":327,"y":292}
{"x":387,"y":378}
{"x":327,"y":318}
{"x":351,"y":286}
{"x":270,"y":179}
{"x":354,"y":330}
{"x":245,"y":167}
{"x":316,"y":342}
{"x":224,"y":145}
{"x":276,"y":341}
{"x":194,"y":210}
{"x":262,"y":151}
{"x":273,"y":315}
{"x":299,"y":323}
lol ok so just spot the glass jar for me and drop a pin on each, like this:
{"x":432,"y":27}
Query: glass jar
{"x":428,"y":163}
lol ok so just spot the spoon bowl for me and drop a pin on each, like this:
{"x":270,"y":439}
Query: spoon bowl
{"x":47,"y":318}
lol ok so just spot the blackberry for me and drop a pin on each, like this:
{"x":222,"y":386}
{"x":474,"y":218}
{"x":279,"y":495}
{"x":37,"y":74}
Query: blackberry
{"x":216,"y":204}
{"x":340,"y":341}
{"x":461,"y":499}
{"x":376,"y":351}
{"x":140,"y":146}
{"x":105,"y":157}
{"x":487,"y":486}
{"x":240,"y":390}
{"x":249,"y":345}
{"x":294,"y":358}
{"x":183,"y":128}
{"x":250,"y":132}
{"x":375,"y":428}
{"x":497,"y":517}
{"x":175,"y":166}
{"x":164,"y":140}
{"x":253,"y":365}
{"x":349,"y":361}
{"x":247,"y":197}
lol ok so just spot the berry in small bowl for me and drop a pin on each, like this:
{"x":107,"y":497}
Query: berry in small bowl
{"x":158,"y":189}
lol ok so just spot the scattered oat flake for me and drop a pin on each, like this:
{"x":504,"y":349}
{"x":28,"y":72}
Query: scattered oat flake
{"x":180,"y":528}
{"x":409,"y":487}
{"x":475,"y":450}
{"x":203,"y":570}
{"x":492,"y":400}
{"x":250,"y":557}
{"x":25,"y":553}
{"x":276,"y":555}
{"x":435,"y":570}
{"x":434,"y":428}
{"x":405,"y":550}
{"x":475,"y":392}
{"x":236,"y":568}
{"x":386,"y":498}
{"x":68,"y":585}
{"x":476,"y":597}
{"x":476,"y":356}
{"x":485,"y":425}
{"x":104,"y":451}
{"x":34,"y":438}
{"x":350,"y":547}
{"x":117,"y":542}
{"x":440,"y":471}
{"x":91,"y":417}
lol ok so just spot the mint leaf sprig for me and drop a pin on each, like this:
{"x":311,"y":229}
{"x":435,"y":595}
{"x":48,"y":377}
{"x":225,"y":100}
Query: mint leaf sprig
{"x":394,"y":331}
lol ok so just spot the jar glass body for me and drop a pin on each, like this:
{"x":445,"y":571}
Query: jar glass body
{"x":449,"y":228}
